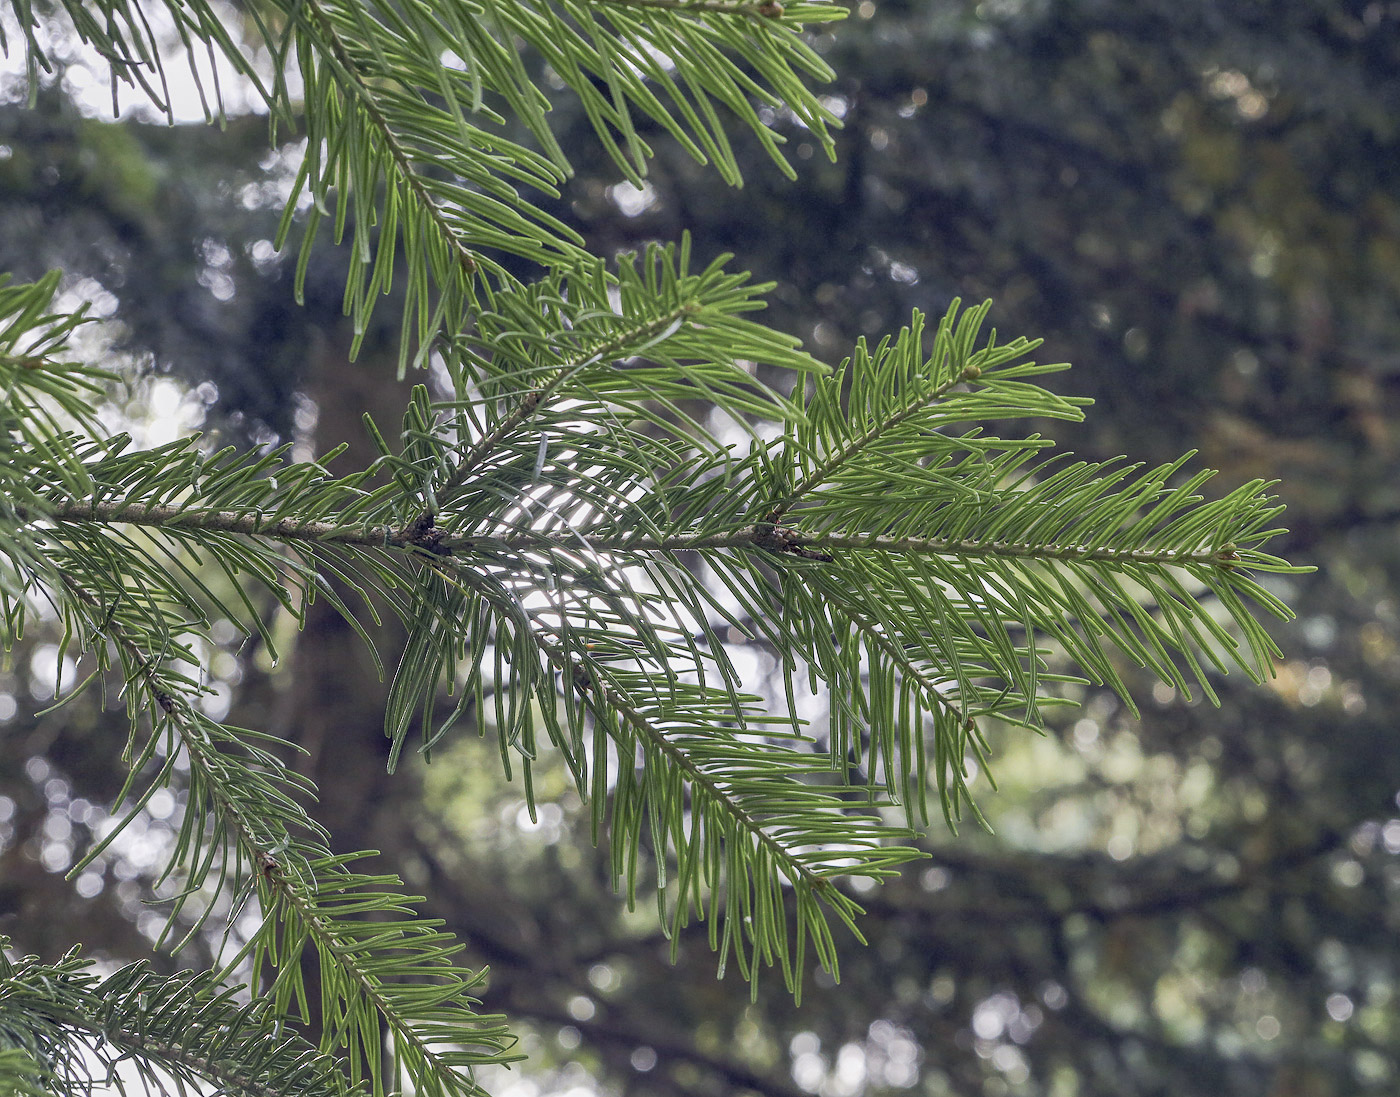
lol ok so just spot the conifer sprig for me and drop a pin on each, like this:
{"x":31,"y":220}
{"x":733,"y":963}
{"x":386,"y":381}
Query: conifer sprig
{"x":59,"y":1020}
{"x":930,"y":620}
{"x":723,"y":786}
{"x":555,"y":560}
{"x":602,"y":505}
{"x":401,"y":108}
{"x":245,"y":830}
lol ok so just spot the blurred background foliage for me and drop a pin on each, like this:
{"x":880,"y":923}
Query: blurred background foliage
{"x":1195,"y":201}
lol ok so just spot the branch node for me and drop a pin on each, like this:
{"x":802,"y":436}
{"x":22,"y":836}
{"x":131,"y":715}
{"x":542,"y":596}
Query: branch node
{"x":423,"y":534}
{"x":785,"y":541}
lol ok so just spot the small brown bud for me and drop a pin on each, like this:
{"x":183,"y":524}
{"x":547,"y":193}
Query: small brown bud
{"x":770,"y":10}
{"x":971,"y":373}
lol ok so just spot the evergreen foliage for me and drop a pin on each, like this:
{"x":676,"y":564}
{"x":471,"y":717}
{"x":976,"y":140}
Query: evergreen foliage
{"x":621,"y":468}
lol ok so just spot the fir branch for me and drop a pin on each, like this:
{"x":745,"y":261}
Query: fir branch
{"x":297,"y":877}
{"x":752,"y":9}
{"x":23,"y":1075}
{"x":858,"y":445}
{"x":186,"y":1026}
{"x":605,"y":699}
{"x":608,"y":349}
{"x":913,"y":564}
{"x":762,"y":536}
{"x":896,"y":391}
{"x":355,"y":81}
{"x":738,"y":812}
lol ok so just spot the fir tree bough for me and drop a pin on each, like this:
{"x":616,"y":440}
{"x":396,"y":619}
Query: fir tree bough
{"x":562,"y":519}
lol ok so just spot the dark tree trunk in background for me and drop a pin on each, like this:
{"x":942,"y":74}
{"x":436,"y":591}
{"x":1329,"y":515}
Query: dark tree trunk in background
{"x":333,"y":692}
